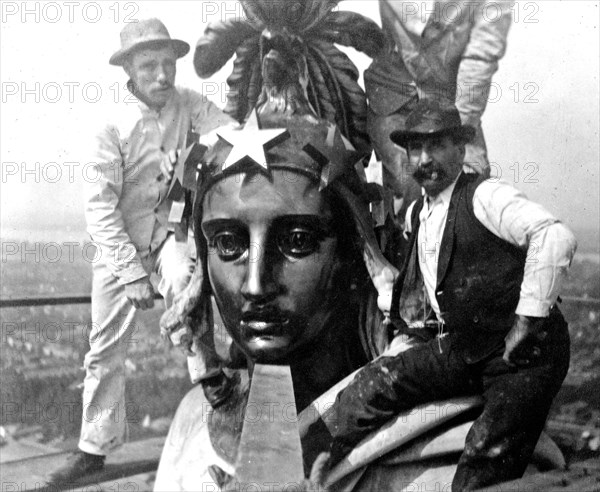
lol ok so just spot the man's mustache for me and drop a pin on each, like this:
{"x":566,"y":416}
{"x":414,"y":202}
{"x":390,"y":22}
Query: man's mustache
{"x":422,"y":173}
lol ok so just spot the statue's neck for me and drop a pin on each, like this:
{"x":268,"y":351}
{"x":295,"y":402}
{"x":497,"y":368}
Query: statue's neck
{"x":328,"y":359}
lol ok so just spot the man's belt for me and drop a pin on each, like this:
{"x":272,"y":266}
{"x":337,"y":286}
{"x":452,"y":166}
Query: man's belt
{"x":433,"y":324}
{"x":429,"y":329}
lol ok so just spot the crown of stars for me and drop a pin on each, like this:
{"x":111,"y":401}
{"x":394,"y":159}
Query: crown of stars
{"x":251,"y":143}
{"x":334,"y":154}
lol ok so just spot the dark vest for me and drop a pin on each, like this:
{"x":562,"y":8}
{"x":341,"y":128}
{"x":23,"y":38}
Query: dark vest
{"x":479,"y":276}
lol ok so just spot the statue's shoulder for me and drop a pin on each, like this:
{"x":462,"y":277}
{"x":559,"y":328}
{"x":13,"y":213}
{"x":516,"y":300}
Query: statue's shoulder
{"x":191,"y":414}
{"x":200,"y":439}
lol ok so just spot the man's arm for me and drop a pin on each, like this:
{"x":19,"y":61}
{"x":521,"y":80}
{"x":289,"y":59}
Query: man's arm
{"x":207,"y":117}
{"x":105,"y":221}
{"x":491,"y":21}
{"x":550,"y":247}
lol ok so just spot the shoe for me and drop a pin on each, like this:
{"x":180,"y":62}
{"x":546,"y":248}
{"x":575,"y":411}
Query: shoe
{"x":78,"y":465}
{"x":219,"y":388}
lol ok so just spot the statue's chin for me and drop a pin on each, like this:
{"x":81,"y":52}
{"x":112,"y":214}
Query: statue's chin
{"x":268,"y":348}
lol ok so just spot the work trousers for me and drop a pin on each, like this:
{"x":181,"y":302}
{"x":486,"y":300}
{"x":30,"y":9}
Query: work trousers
{"x":114,"y":329}
{"x":501,"y":441}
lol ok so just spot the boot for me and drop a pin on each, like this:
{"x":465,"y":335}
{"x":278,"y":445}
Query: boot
{"x":78,"y":465}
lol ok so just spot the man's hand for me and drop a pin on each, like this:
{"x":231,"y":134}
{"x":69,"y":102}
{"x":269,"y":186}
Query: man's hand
{"x":140,"y":293}
{"x":523,"y":341}
{"x":167,"y":165}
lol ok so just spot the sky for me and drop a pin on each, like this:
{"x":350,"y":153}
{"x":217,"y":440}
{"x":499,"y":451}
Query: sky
{"x":541,"y":123}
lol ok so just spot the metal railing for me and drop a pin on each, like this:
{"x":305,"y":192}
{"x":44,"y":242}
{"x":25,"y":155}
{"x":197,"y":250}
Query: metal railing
{"x":13,"y":302}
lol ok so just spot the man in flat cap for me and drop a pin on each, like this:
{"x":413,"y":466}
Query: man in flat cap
{"x":127,"y":212}
{"x":486,"y":265}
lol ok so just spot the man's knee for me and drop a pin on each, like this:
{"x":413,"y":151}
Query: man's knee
{"x":101,"y":364}
{"x":108,"y":347}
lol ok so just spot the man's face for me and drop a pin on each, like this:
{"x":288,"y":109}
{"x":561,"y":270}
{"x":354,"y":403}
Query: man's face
{"x":272,"y":261}
{"x":435,"y":162}
{"x":152,"y":71}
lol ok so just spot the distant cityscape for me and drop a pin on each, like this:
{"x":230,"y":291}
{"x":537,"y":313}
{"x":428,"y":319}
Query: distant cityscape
{"x":42,"y":350}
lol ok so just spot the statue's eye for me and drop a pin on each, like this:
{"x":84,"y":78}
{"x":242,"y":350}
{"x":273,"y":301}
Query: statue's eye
{"x":229,"y":245}
{"x":298,"y":242}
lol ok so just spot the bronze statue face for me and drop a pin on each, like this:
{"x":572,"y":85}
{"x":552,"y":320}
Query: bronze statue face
{"x":272,"y":260}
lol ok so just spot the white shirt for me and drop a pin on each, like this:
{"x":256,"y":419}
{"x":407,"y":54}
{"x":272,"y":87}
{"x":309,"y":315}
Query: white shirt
{"x":507,"y":213}
{"x":126,"y":210}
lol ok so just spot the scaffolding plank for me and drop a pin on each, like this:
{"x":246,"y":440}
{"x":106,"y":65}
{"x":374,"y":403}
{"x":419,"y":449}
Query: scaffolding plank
{"x":130,"y":459}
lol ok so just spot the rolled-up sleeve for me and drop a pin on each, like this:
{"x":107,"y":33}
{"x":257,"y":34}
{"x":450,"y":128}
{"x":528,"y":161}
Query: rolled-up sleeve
{"x":550,"y":246}
{"x":491,"y":21}
{"x":207,"y":117}
{"x":104,"y":219}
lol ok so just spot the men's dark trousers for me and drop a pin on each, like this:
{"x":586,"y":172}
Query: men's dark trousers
{"x":502,"y":439}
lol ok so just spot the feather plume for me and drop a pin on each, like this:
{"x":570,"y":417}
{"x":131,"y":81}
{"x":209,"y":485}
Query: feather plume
{"x":332,"y":85}
{"x":219,"y":43}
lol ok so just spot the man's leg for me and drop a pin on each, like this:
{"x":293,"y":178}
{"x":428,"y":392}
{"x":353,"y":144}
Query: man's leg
{"x":175,"y":264}
{"x":501,"y":441}
{"x":103,"y":425}
{"x":389,"y":385}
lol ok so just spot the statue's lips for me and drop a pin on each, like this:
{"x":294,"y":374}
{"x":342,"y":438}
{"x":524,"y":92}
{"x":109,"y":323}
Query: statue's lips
{"x":264,"y":324}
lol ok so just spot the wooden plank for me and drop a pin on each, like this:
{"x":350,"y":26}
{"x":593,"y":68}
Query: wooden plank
{"x":135,"y":483}
{"x":130,"y":459}
{"x":270,"y":453}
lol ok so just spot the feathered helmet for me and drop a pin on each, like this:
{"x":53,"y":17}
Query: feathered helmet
{"x":302,"y":109}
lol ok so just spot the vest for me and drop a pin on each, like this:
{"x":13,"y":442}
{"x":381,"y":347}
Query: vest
{"x":479,"y":276}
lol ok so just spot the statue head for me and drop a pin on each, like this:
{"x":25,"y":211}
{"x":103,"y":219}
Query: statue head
{"x":278,"y":260}
{"x":278,"y":237}
{"x":282,"y":205}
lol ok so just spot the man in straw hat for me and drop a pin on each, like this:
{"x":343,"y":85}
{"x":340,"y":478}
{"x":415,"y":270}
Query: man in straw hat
{"x":127,"y":213}
{"x":487,"y":265}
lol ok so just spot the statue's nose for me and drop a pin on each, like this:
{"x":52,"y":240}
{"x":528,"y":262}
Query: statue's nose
{"x":259,"y":284}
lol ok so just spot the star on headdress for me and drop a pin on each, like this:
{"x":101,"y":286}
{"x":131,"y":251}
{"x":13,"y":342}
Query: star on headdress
{"x":334,"y":154}
{"x":251,"y":143}
{"x":382,"y":203}
{"x":184,"y":175}
{"x":183,"y":184}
